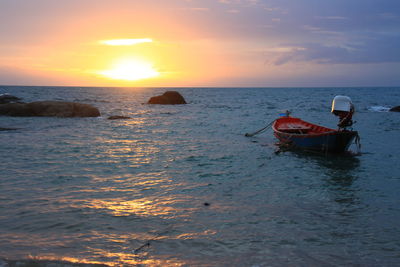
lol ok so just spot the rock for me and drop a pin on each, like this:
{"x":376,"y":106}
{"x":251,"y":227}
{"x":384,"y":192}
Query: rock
{"x":15,"y":109}
{"x":7,"y":98}
{"x":158,"y":100}
{"x":49,"y":109}
{"x":118,"y":117}
{"x":168,"y":98}
{"x":395,"y":109}
{"x":7,"y":129}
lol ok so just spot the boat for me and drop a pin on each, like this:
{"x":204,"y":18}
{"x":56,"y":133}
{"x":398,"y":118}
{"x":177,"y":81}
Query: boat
{"x":297,"y":133}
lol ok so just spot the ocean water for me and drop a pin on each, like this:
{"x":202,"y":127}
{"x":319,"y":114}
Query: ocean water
{"x":182,"y":186}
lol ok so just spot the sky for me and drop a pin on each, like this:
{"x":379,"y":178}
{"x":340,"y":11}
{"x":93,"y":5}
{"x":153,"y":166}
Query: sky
{"x":172,"y":43}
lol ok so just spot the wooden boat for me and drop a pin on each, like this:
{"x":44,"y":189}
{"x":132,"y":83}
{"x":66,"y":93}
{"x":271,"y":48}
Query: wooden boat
{"x":301,"y":134}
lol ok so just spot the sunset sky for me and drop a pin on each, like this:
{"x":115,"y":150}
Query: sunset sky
{"x":200,"y":42}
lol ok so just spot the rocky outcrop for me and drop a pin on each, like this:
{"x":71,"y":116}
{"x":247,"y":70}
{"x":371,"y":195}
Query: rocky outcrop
{"x":7,"y":98}
{"x":118,"y":117}
{"x":49,"y":109}
{"x":168,"y":98}
{"x":395,"y":109}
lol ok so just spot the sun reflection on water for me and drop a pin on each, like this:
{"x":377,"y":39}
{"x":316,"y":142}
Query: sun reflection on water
{"x":134,"y":152}
{"x":163,"y":207}
{"x":120,"y":259}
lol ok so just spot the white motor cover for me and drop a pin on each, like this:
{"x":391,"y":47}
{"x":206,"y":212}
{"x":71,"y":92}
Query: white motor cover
{"x":342,"y":103}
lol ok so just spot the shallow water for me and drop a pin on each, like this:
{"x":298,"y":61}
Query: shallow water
{"x":181,"y":185}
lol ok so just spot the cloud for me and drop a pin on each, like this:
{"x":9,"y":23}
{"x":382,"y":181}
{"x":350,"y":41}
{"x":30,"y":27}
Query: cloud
{"x":332,"y":17}
{"x":246,"y":2}
{"x":126,"y":42}
{"x":193,"y":8}
{"x":389,"y":16}
{"x":382,"y":49}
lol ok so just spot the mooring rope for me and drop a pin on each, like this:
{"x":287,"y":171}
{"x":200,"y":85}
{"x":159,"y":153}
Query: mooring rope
{"x":259,"y":131}
{"x":157,"y":236}
{"x":358,"y":143}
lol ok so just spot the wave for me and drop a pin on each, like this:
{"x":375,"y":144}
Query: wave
{"x":379,"y":109}
{"x":92,"y":100}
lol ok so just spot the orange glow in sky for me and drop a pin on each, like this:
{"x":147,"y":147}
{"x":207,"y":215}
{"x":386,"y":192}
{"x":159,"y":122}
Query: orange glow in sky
{"x":197,"y":43}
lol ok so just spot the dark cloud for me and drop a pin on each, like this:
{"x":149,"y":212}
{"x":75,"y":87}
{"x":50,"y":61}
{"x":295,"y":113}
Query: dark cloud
{"x":380,"y":49}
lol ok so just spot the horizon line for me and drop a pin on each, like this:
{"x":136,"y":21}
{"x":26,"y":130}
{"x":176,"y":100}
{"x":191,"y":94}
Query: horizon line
{"x":357,"y":86}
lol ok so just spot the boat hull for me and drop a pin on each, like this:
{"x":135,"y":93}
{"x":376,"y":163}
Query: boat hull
{"x":338,"y":142}
{"x":308,"y":136}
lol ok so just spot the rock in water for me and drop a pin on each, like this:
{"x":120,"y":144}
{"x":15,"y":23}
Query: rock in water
{"x":161,"y":100}
{"x":168,"y":98}
{"x":118,"y":117}
{"x":49,"y":109}
{"x":174,"y":97}
{"x":7,"y":98}
{"x":7,"y":129}
{"x":395,"y":109}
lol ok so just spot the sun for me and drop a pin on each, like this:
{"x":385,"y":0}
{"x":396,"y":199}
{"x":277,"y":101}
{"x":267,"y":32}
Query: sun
{"x":130,"y":70}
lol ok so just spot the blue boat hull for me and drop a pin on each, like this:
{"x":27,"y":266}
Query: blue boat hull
{"x":335,"y":142}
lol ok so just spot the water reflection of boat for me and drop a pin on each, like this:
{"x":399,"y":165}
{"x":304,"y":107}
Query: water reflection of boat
{"x":333,"y":162}
{"x":294,"y":132}
{"x":339,"y":168}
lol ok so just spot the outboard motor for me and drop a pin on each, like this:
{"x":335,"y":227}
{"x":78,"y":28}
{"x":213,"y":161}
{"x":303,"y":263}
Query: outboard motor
{"x":344,"y":109}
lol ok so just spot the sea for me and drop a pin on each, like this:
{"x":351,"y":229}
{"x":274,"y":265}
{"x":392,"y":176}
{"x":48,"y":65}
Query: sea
{"x":181,"y":185}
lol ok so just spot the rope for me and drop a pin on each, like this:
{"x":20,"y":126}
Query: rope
{"x":358,"y":143}
{"x":156,"y":237}
{"x":259,"y":131}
